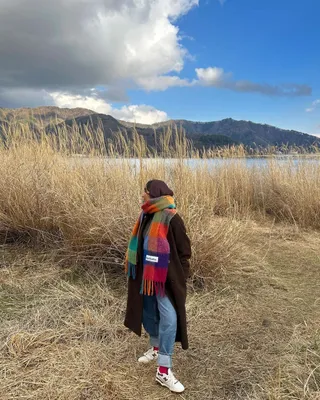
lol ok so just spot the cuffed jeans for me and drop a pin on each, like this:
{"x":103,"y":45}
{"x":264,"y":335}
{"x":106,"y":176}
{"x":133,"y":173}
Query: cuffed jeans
{"x":160,"y":322}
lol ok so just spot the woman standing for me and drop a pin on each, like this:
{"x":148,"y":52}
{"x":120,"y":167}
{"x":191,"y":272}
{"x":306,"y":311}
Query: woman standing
{"x":157,"y":265}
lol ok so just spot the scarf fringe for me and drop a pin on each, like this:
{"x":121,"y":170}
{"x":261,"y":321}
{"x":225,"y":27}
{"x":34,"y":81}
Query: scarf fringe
{"x":131,"y":270}
{"x":149,"y":288}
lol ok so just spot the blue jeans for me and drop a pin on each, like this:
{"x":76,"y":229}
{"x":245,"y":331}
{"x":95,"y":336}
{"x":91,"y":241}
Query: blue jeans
{"x":160,"y":322}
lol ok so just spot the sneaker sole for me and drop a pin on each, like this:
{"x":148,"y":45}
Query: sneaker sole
{"x":146,"y":362}
{"x":164,"y":385}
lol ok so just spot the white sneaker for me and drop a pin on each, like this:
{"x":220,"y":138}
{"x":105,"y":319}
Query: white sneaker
{"x":169,"y":381}
{"x":149,"y":356}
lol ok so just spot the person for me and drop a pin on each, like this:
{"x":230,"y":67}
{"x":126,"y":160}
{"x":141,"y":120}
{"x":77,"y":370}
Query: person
{"x":157,"y":264}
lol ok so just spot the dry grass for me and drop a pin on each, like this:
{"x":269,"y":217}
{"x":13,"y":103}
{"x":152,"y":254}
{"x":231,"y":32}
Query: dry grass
{"x":253,"y":304}
{"x":87,"y":207}
{"x":255,"y":335}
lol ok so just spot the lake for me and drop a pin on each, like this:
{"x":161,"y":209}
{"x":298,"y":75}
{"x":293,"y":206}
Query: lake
{"x":256,"y":162}
{"x":217,"y":162}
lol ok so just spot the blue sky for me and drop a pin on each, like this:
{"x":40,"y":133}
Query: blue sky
{"x":151,"y":60}
{"x":274,"y":42}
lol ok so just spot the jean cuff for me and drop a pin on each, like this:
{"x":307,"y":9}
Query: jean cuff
{"x":164,"y":360}
{"x":154,"y":341}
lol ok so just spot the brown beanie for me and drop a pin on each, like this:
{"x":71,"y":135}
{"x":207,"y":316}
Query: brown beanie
{"x":158,"y":188}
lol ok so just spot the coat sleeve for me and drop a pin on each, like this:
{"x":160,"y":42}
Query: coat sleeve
{"x":182,"y":242}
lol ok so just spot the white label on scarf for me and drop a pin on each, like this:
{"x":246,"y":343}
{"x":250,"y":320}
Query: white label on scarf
{"x":153,"y":259}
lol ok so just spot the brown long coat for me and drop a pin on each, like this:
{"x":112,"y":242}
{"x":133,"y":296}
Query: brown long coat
{"x":178,"y":273}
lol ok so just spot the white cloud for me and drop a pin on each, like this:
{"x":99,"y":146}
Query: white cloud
{"x":211,"y":76}
{"x":313,"y":106}
{"x":216,"y":77}
{"x":89,"y":42}
{"x":134,"y":113}
{"x":67,"y":47}
{"x":140,"y":114}
{"x":73,"y":46}
{"x":162,"y":82}
{"x":93,"y":103}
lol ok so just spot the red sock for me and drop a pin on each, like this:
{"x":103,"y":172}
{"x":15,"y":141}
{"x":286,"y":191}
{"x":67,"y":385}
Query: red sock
{"x":155,"y":348}
{"x":163,"y":370}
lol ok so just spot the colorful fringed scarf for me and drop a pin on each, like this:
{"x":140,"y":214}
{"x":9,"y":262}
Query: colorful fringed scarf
{"x":156,"y":249}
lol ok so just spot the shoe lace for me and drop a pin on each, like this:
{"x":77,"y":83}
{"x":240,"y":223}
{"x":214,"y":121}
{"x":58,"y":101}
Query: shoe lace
{"x":172,"y":378}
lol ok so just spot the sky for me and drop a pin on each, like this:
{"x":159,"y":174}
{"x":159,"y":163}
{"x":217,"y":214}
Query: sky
{"x":147,"y":61}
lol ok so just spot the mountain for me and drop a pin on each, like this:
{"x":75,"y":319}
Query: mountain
{"x":203,"y":134}
{"x":245,"y":132}
{"x":216,"y":133}
{"x":42,"y":115}
{"x":109,"y":126}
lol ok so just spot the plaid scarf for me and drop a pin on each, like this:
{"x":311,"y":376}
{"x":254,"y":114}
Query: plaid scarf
{"x":156,"y":248}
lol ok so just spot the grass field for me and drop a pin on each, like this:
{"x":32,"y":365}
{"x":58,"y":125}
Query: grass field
{"x":255,"y":334}
{"x":253,"y":300}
